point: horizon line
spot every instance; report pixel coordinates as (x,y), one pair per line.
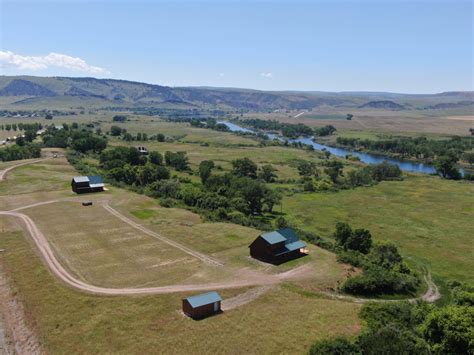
(242,88)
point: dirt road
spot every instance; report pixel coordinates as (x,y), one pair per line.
(59,271)
(431,295)
(248,279)
(5,171)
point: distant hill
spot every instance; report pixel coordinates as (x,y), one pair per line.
(383,104)
(20,87)
(450,105)
(31,90)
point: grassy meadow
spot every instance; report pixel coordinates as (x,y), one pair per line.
(430,219)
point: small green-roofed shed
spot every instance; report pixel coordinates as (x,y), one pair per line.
(202,305)
(203,299)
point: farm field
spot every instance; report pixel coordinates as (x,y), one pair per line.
(99,249)
(430,219)
(138,324)
(380,121)
(427,217)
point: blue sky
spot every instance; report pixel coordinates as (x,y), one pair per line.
(385,45)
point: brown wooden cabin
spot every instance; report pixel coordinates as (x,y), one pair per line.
(202,306)
(278,246)
(84,184)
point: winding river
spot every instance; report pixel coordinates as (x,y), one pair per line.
(341,152)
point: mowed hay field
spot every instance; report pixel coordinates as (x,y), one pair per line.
(225,242)
(73,322)
(103,250)
(95,245)
(429,218)
(48,176)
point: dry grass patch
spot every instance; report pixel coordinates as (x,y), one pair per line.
(102,250)
(280,321)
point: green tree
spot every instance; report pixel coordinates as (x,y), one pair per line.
(244,167)
(162,173)
(119,118)
(270,199)
(307,168)
(281,222)
(336,346)
(360,240)
(450,330)
(349,116)
(445,165)
(391,339)
(386,254)
(146,174)
(48,116)
(343,233)
(267,173)
(20,141)
(205,169)
(115,131)
(155,158)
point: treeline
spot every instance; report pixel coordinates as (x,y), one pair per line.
(80,139)
(384,271)
(406,328)
(21,126)
(117,131)
(332,177)
(210,123)
(239,196)
(408,147)
(289,130)
(17,152)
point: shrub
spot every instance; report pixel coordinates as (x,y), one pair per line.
(336,346)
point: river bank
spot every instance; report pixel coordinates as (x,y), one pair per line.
(367,158)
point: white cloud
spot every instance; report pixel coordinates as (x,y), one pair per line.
(266,75)
(51,60)
(221,75)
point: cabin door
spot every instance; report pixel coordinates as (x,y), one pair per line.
(216,306)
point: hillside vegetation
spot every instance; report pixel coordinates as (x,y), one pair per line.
(27,90)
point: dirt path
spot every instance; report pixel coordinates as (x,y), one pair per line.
(245,297)
(181,247)
(5,171)
(247,279)
(431,295)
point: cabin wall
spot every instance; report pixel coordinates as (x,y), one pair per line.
(200,312)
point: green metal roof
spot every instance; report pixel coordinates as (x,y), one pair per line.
(273,237)
(203,299)
(287,235)
(81,179)
(95,179)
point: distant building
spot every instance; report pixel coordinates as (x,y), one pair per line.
(84,184)
(142,150)
(278,246)
(201,306)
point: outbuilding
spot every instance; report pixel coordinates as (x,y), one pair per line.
(142,150)
(201,306)
(278,246)
(83,184)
